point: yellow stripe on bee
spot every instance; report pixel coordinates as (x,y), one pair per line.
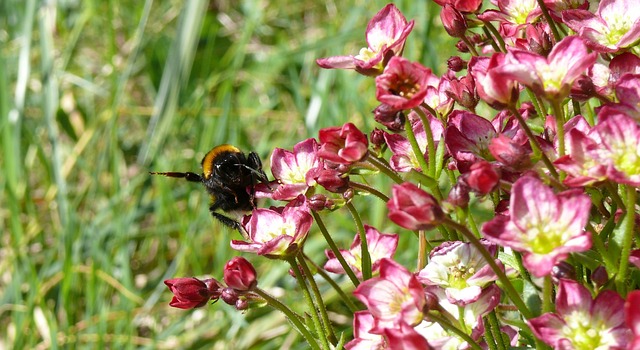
(207,161)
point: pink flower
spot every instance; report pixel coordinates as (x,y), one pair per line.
(239,274)
(628,93)
(552,76)
(493,87)
(363,339)
(467,138)
(459,268)
(342,145)
(463,91)
(413,208)
(619,137)
(614,26)
(277,232)
(513,154)
(512,14)
(291,169)
(386,34)
(190,292)
(394,297)
(610,150)
(632,318)
(380,245)
(582,323)
(403,84)
(437,96)
(544,226)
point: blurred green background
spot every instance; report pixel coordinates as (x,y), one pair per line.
(94,94)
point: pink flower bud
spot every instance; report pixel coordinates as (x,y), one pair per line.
(377,137)
(459,196)
(456,63)
(342,145)
(600,276)
(190,292)
(332,180)
(230,296)
(414,209)
(239,274)
(483,177)
(453,21)
(390,117)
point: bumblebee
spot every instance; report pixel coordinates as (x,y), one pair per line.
(230,177)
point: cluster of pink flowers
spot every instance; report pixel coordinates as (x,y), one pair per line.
(537,119)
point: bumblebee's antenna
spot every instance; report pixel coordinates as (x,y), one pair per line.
(189,176)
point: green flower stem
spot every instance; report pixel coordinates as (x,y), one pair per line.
(506,283)
(627,239)
(537,104)
(558,112)
(496,48)
(334,249)
(472,48)
(494,326)
(319,300)
(431,146)
(369,189)
(291,316)
(547,295)
(547,17)
(345,298)
(496,36)
(598,245)
(488,336)
(471,222)
(384,168)
(534,142)
(366,258)
(422,250)
(613,192)
(416,148)
(444,323)
(523,271)
(317,324)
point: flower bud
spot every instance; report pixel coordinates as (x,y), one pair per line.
(242,304)
(342,145)
(414,209)
(390,117)
(453,21)
(230,296)
(482,177)
(190,292)
(599,276)
(459,195)
(456,63)
(562,270)
(377,137)
(331,179)
(239,274)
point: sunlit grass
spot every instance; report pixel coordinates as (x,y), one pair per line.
(95,94)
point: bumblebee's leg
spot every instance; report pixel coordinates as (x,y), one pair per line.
(229,222)
(255,165)
(189,176)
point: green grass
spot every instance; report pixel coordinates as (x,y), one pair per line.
(94,94)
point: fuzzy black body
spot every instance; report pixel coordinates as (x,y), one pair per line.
(229,177)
